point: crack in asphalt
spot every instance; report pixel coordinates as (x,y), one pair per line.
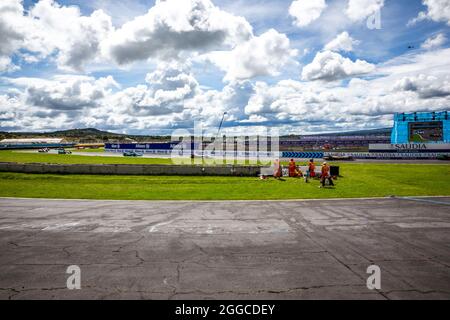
(294,226)
(183,252)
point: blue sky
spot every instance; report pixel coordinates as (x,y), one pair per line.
(144,67)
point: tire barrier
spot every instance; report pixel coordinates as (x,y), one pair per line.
(302,155)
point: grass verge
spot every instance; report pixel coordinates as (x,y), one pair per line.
(358,180)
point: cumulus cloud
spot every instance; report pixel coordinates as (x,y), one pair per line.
(59,102)
(425,86)
(331,66)
(49,28)
(76,38)
(306,11)
(168,30)
(417,82)
(8,107)
(172,27)
(6,64)
(264,55)
(65,93)
(434,42)
(171,98)
(176,33)
(358,10)
(437,10)
(12,33)
(309,107)
(342,42)
(169,86)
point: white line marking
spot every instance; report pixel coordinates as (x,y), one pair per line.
(424,200)
(154,228)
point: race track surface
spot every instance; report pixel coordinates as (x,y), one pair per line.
(225,249)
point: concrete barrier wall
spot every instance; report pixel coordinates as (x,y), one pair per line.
(128,169)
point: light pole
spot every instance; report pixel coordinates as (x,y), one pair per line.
(221,122)
(218,131)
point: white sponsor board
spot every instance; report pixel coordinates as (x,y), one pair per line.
(410,147)
(388,155)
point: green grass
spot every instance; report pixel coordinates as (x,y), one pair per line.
(28,157)
(86,150)
(34,157)
(358,180)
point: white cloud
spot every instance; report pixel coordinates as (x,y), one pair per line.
(358,10)
(172,27)
(417,82)
(48,28)
(168,30)
(77,38)
(412,82)
(65,93)
(306,11)
(342,42)
(170,85)
(425,86)
(331,66)
(6,64)
(265,55)
(172,98)
(434,42)
(435,62)
(12,33)
(437,10)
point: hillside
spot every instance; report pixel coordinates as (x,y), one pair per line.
(95,135)
(83,135)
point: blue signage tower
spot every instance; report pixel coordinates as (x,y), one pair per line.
(421,127)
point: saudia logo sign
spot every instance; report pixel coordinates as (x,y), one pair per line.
(412,146)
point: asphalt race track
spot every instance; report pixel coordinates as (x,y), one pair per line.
(225,249)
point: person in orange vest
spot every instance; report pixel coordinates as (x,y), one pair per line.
(311,168)
(325,175)
(292,169)
(277,169)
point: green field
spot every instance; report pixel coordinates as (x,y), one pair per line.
(87,150)
(28,157)
(358,180)
(34,157)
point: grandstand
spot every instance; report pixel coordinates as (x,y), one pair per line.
(332,141)
(34,143)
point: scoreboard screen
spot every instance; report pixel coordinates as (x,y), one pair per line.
(431,131)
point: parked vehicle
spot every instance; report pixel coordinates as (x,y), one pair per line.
(132,154)
(44,150)
(64,151)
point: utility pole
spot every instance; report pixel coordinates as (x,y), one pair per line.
(220,125)
(218,131)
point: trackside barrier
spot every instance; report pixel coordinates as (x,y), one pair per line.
(302,155)
(388,155)
(126,169)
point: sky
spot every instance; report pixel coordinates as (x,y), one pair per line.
(151,67)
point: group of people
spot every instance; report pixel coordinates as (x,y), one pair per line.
(294,171)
